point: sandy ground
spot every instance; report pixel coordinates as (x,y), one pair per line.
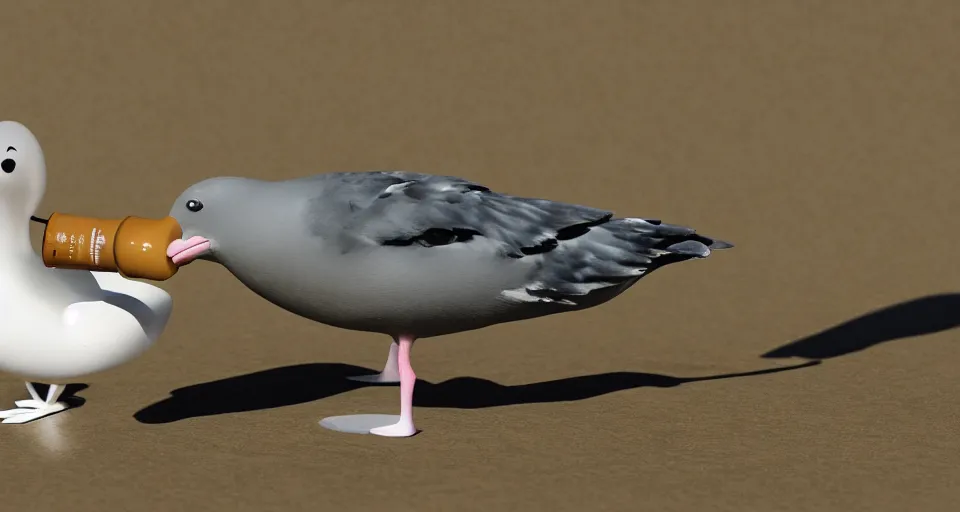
(820,137)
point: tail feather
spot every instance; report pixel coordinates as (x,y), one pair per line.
(679,240)
(719,244)
(690,248)
(610,255)
(696,245)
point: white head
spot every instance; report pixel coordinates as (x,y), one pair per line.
(24,177)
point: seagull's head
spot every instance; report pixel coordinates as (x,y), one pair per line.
(208,212)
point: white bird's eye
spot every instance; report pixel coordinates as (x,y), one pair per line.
(8,165)
(194,206)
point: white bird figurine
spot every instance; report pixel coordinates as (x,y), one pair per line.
(58,325)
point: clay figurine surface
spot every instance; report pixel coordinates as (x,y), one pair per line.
(58,325)
(415,256)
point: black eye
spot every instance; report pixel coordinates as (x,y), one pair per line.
(193,205)
(8,165)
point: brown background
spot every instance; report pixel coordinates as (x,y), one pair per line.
(821,137)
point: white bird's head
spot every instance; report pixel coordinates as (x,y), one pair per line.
(24,177)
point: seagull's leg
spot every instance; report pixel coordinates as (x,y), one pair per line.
(30,411)
(391,370)
(404,427)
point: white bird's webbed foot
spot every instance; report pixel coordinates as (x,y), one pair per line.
(30,404)
(35,408)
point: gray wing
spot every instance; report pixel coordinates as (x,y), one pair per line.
(576,249)
(401,208)
(614,254)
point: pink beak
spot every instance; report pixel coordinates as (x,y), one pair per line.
(182,252)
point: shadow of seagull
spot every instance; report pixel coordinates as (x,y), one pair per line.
(926,315)
(298,384)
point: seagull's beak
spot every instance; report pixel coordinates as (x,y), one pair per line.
(182,252)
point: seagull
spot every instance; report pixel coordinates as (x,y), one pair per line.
(415,256)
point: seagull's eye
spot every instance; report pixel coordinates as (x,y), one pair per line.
(8,165)
(193,205)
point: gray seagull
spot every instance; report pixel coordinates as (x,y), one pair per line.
(415,256)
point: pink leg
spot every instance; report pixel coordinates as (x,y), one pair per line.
(404,427)
(391,367)
(390,373)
